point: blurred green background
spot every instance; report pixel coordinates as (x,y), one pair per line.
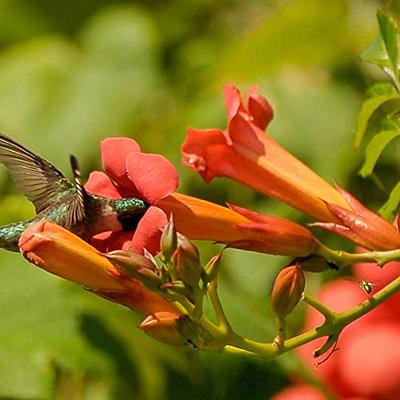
(74,72)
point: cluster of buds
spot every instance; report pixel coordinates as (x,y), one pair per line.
(178,276)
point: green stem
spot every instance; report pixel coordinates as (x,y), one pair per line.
(344,318)
(222,320)
(326,312)
(231,342)
(343,259)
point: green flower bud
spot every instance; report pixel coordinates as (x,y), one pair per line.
(187,262)
(136,266)
(128,261)
(169,240)
(211,268)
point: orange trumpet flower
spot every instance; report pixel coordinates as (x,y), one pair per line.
(245,153)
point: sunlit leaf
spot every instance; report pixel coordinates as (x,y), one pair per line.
(376,53)
(367,110)
(380,89)
(389,34)
(375,149)
(388,210)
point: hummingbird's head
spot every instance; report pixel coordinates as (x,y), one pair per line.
(129,212)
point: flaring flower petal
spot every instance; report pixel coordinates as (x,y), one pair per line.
(114,151)
(204,150)
(153,176)
(259,108)
(245,153)
(233,100)
(99,183)
(148,232)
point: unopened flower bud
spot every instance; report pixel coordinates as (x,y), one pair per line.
(136,266)
(211,268)
(187,262)
(169,240)
(288,289)
(163,326)
(129,262)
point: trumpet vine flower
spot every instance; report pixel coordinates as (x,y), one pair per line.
(131,173)
(245,153)
(62,253)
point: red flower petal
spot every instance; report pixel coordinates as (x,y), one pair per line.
(299,391)
(148,232)
(370,361)
(153,176)
(244,136)
(259,108)
(203,149)
(114,151)
(233,100)
(99,183)
(109,241)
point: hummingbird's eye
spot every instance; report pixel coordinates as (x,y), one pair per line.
(129,222)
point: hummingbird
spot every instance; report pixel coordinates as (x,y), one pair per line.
(61,201)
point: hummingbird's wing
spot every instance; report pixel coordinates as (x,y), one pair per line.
(40,181)
(78,206)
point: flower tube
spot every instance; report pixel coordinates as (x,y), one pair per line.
(245,153)
(62,253)
(130,173)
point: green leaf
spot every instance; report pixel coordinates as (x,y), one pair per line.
(367,110)
(380,89)
(375,149)
(388,30)
(376,53)
(388,210)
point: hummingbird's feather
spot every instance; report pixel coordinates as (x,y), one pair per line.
(39,180)
(77,208)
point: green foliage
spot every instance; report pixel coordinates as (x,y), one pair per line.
(375,148)
(389,34)
(368,108)
(389,209)
(383,52)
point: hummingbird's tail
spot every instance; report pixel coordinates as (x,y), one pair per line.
(10,234)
